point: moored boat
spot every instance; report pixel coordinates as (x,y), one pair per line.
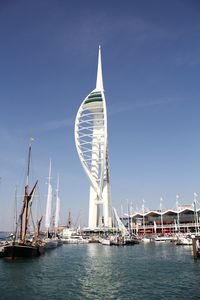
(162,238)
(131,240)
(23,250)
(51,243)
(146,239)
(105,241)
(117,241)
(75,239)
(24,247)
(59,242)
(185,240)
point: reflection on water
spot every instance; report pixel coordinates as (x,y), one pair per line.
(94,271)
(100,269)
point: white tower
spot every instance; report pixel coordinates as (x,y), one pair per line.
(92,147)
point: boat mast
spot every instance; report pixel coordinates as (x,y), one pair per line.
(178,216)
(196,213)
(161,214)
(128,214)
(49,202)
(57,213)
(24,214)
(143,219)
(15,216)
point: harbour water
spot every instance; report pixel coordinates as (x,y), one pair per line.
(92,271)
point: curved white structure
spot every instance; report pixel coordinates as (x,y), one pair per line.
(92,146)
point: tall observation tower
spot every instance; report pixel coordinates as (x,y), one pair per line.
(92,145)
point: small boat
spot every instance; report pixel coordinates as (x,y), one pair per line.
(185,240)
(117,241)
(146,239)
(105,241)
(131,240)
(51,243)
(75,239)
(162,238)
(72,236)
(113,240)
(59,242)
(25,247)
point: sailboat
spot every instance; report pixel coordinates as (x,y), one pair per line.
(24,247)
(50,241)
(57,215)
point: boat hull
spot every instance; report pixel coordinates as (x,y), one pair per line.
(51,243)
(75,241)
(12,252)
(1,252)
(131,242)
(105,241)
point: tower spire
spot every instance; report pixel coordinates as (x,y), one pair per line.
(99,82)
(91,122)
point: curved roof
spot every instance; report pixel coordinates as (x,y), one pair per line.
(166,212)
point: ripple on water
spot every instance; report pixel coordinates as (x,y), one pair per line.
(94,271)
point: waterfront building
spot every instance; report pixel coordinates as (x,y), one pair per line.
(92,146)
(144,222)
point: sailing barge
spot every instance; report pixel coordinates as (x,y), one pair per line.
(24,247)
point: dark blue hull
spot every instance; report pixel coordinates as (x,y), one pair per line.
(17,251)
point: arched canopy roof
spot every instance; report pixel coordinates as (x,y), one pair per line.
(155,213)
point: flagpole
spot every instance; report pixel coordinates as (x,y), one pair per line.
(178,216)
(195,213)
(161,216)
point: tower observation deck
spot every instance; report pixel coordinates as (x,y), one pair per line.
(92,146)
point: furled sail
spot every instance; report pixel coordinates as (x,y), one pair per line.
(57,213)
(24,217)
(49,201)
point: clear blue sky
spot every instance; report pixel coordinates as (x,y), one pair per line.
(151,70)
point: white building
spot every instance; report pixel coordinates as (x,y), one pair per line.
(92,146)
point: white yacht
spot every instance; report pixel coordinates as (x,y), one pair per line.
(162,238)
(70,236)
(105,241)
(184,240)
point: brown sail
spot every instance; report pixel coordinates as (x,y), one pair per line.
(25,248)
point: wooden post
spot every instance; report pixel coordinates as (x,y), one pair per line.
(195,246)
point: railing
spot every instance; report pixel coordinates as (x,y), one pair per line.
(170,227)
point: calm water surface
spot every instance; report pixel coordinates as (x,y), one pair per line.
(93,271)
